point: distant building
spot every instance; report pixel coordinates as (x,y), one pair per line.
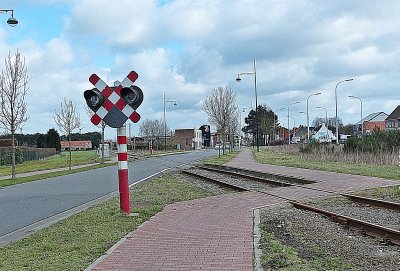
(188,139)
(370,122)
(301,132)
(76,145)
(392,122)
(323,134)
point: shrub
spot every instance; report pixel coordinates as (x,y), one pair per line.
(6,158)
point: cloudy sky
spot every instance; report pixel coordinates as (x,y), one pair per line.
(187,48)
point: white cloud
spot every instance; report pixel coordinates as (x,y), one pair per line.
(187,48)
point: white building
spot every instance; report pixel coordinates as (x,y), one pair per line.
(324,134)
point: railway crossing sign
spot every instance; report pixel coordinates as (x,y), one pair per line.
(114,105)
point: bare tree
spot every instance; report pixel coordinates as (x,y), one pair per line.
(152,129)
(68,120)
(102,125)
(233,127)
(13,89)
(221,109)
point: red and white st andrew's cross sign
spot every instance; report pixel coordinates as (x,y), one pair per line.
(115,110)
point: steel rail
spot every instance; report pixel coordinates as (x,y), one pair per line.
(366,227)
(364,200)
(215,181)
(247,176)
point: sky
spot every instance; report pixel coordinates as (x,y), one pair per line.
(186,49)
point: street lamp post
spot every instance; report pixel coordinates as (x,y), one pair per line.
(294,125)
(11,21)
(282,108)
(238,79)
(336,115)
(240,125)
(308,118)
(165,120)
(361,109)
(288,119)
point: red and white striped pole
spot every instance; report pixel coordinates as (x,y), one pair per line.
(123,170)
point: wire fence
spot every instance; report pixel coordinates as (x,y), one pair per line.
(25,154)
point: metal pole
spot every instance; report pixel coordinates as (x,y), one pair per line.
(336,109)
(288,122)
(288,116)
(165,126)
(362,123)
(308,118)
(255,91)
(123,170)
(361,111)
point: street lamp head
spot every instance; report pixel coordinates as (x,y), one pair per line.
(238,79)
(350,79)
(175,104)
(12,21)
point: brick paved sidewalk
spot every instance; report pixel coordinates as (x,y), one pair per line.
(216,233)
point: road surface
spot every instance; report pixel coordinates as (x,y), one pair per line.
(27,207)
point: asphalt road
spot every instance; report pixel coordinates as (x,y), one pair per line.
(25,204)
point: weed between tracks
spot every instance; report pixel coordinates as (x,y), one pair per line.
(74,243)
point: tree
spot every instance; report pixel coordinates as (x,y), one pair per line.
(13,89)
(152,129)
(221,108)
(266,118)
(53,139)
(68,120)
(103,125)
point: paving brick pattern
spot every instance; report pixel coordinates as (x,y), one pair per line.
(216,233)
(338,182)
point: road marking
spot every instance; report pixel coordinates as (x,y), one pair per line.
(148,177)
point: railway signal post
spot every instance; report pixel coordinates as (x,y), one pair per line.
(114,106)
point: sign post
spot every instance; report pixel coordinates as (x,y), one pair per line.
(114,106)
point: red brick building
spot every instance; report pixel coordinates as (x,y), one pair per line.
(371,122)
(188,139)
(76,145)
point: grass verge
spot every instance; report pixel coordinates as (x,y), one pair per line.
(268,156)
(74,243)
(8,182)
(57,161)
(222,159)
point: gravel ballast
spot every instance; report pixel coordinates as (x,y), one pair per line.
(321,244)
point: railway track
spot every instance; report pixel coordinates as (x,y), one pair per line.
(387,234)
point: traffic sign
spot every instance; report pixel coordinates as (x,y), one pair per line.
(114,105)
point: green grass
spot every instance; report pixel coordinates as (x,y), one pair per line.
(281,257)
(291,160)
(8,182)
(57,161)
(74,243)
(215,160)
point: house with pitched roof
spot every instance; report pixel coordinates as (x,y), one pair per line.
(392,122)
(371,122)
